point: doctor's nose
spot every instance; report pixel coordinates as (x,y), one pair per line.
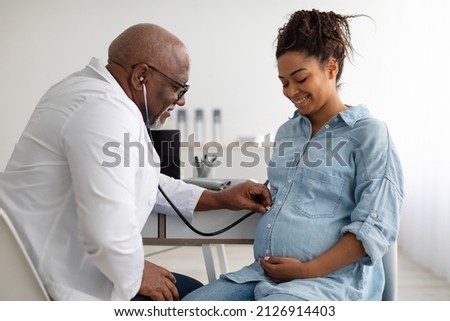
(181,101)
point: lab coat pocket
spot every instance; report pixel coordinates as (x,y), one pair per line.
(319,194)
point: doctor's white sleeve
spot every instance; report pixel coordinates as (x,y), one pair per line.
(184,196)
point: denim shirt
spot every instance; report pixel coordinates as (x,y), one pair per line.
(345,178)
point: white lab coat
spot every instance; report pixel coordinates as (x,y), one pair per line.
(80,185)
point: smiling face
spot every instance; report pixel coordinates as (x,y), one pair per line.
(152,67)
(310,86)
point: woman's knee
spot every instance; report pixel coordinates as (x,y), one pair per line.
(223,290)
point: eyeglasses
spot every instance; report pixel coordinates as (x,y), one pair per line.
(183,87)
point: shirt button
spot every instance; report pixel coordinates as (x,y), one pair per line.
(279,202)
(373,215)
(327,126)
(267,251)
(290,181)
(269,225)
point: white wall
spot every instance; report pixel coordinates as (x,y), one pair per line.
(231,46)
(401,73)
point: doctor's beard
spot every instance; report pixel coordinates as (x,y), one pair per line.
(159,122)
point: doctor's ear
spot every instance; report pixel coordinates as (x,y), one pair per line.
(138,76)
(138,82)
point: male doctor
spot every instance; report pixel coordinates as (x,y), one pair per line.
(81,218)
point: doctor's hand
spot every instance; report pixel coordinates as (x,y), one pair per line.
(158,283)
(244,196)
(248,195)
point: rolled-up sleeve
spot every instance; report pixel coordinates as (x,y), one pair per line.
(378,195)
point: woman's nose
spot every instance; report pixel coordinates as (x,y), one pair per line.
(291,91)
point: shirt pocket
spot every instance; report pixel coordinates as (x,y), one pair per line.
(318,194)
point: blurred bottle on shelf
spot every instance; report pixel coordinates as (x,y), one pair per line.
(199,126)
(182,125)
(217,128)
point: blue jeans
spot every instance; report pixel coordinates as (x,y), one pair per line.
(185,284)
(227,290)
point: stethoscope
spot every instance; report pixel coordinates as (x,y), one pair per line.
(175,208)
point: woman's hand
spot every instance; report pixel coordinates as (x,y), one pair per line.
(347,251)
(284,269)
